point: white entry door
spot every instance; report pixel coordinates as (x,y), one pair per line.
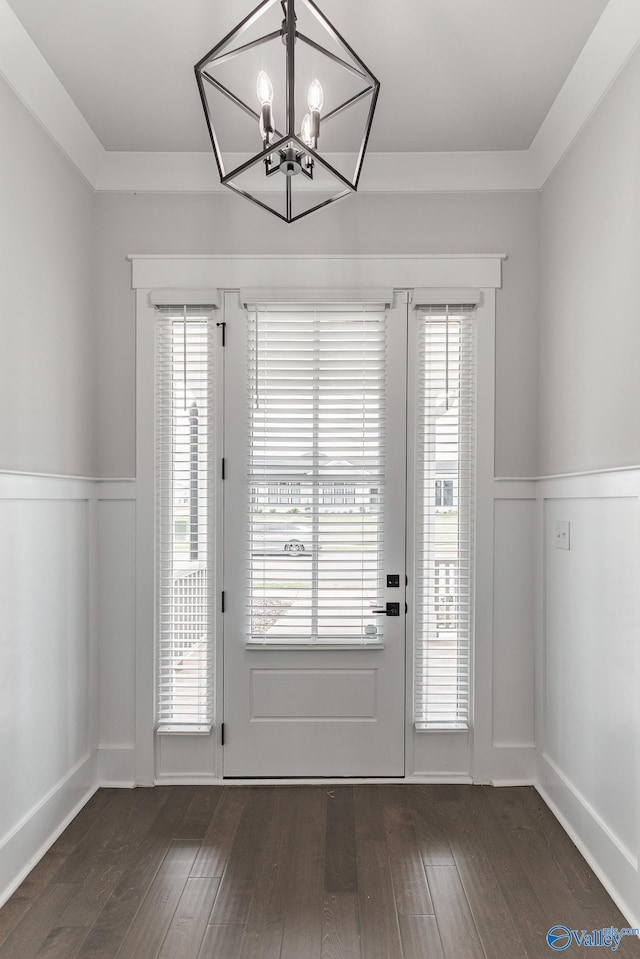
(314,539)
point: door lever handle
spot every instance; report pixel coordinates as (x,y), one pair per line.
(391,609)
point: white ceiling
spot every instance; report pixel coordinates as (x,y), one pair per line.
(456,75)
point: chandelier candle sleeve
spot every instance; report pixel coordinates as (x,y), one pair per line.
(315,100)
(305,130)
(264,89)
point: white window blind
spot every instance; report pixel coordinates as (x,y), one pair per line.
(184,503)
(316,474)
(444,528)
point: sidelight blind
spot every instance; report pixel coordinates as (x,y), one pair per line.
(445,503)
(316,473)
(184,504)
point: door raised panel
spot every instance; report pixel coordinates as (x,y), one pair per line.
(316,694)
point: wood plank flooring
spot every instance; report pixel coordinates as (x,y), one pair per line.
(307,872)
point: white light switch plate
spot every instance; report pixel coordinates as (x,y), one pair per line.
(562,534)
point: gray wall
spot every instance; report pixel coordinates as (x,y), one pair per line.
(588,649)
(444,223)
(47,683)
(589,309)
(46,324)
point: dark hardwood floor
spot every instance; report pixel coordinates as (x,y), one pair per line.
(304,872)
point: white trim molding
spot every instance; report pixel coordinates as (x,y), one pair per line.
(152,271)
(613,41)
(39,828)
(117,765)
(421,172)
(443,778)
(34,82)
(502,753)
(592,842)
(28,839)
(588,667)
(38,807)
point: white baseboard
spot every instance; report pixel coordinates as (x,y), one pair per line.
(36,832)
(508,765)
(416,779)
(117,766)
(438,778)
(604,856)
(512,782)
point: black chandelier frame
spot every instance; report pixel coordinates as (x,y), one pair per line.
(288,145)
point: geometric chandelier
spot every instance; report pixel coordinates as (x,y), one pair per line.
(289,109)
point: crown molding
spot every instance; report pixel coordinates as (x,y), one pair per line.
(382,172)
(34,82)
(613,41)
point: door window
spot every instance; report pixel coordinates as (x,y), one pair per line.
(316,474)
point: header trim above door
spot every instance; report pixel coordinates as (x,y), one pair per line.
(477,271)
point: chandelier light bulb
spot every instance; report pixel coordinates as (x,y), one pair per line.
(315,97)
(264,89)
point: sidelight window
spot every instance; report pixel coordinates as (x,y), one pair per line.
(184,500)
(444,513)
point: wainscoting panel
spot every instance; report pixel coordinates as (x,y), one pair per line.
(48,731)
(116,631)
(503,749)
(513,623)
(589,669)
(65,537)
